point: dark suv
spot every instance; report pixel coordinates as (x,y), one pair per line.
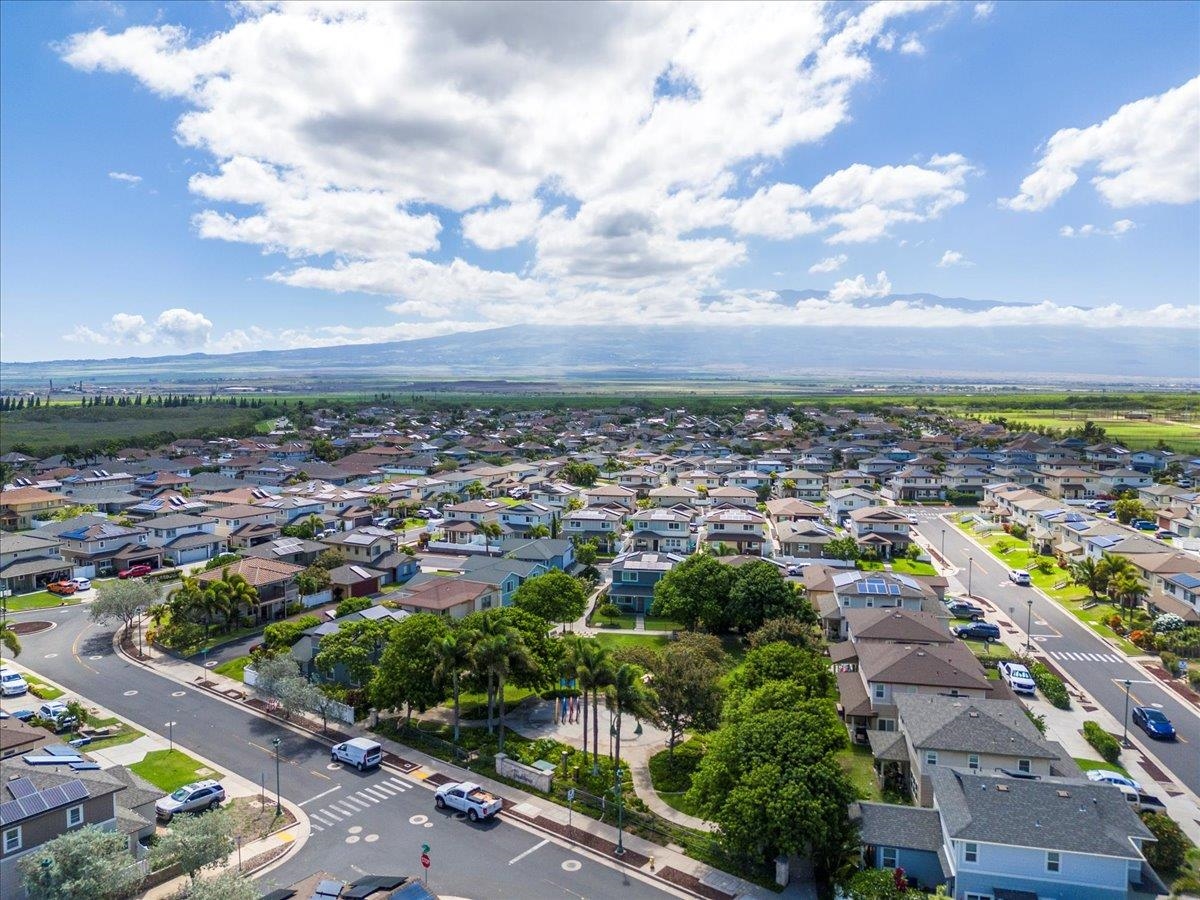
(978,631)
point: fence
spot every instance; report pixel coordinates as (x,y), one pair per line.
(308,601)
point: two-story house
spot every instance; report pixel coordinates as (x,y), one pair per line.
(835,592)
(553,553)
(274,580)
(634,576)
(610,495)
(884,529)
(28,562)
(640,480)
(840,502)
(732,495)
(362,545)
(105,548)
(477,511)
(661,529)
(20,507)
(450,597)
(742,529)
(522,518)
(601,524)
(914,483)
(801,483)
(674,494)
(803,539)
(232,518)
(305,650)
(185,539)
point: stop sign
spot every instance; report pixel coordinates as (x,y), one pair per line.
(425,860)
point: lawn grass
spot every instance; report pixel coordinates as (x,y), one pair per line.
(671,777)
(858,762)
(169,770)
(233,668)
(1085,764)
(124,735)
(899,566)
(38,600)
(40,689)
(628,621)
(616,641)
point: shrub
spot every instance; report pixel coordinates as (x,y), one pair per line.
(1169,852)
(1170,662)
(1050,685)
(1102,742)
(1193,677)
(218,562)
(352,605)
(284,634)
(1114,620)
(1138,636)
(1185,643)
(1168,622)
(1045,566)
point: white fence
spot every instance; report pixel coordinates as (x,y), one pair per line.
(335,711)
(311,600)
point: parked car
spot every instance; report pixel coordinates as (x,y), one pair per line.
(1164,533)
(468,797)
(82,584)
(63,588)
(12,683)
(978,631)
(137,571)
(964,609)
(1107,776)
(1017,677)
(1143,525)
(362,753)
(195,797)
(913,520)
(1153,722)
(387,522)
(1019,577)
(56,713)
(1140,801)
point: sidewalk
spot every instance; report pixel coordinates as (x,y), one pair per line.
(666,865)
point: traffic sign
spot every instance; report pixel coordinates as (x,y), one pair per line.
(425,860)
(570,795)
(424,848)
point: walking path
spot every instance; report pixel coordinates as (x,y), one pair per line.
(666,864)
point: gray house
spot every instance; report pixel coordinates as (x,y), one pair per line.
(634,576)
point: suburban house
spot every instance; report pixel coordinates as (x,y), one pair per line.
(640,480)
(352,580)
(1179,594)
(503,573)
(989,835)
(287,549)
(848,478)
(184,538)
(305,650)
(476,511)
(634,576)
(884,529)
(553,553)
(661,529)
(803,539)
(20,507)
(274,580)
(842,501)
(601,524)
(363,545)
(835,592)
(453,597)
(913,483)
(742,529)
(232,518)
(106,548)
(699,478)
(749,479)
(29,562)
(610,495)
(524,517)
(792,510)
(801,483)
(672,494)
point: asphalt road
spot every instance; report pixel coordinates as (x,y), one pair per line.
(362,823)
(1074,649)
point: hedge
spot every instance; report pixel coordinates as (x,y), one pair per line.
(1104,743)
(1050,685)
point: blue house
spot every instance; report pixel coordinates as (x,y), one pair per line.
(991,836)
(553,553)
(634,576)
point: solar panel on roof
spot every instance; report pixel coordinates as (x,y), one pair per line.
(21,787)
(32,805)
(60,750)
(83,766)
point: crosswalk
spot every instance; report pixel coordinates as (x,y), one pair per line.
(1087,657)
(340,811)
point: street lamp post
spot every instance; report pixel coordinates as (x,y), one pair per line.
(278,804)
(170,735)
(970,573)
(1125,719)
(1028,625)
(943,543)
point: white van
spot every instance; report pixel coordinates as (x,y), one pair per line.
(361,753)
(11,683)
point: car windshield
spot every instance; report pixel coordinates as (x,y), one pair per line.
(180,795)
(1155,716)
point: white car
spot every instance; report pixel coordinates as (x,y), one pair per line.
(1017,677)
(82,584)
(1107,776)
(1019,576)
(912,518)
(11,683)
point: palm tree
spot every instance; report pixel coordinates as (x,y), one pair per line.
(453,657)
(157,613)
(185,600)
(378,502)
(242,594)
(1088,573)
(539,531)
(1127,589)
(8,637)
(628,693)
(475,490)
(1113,567)
(500,652)
(594,670)
(490,530)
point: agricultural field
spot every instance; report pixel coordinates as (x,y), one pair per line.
(1180,434)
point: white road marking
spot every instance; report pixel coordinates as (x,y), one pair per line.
(345,809)
(331,814)
(367,796)
(312,827)
(397,784)
(375,792)
(319,796)
(390,791)
(521,856)
(354,803)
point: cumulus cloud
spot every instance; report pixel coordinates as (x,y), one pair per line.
(125,177)
(953,258)
(858,288)
(1118,228)
(178,326)
(502,226)
(1143,153)
(828,264)
(912,46)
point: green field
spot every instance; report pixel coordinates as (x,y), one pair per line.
(1181,435)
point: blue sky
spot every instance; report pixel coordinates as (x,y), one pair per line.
(195,177)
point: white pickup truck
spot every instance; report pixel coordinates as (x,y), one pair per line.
(468,797)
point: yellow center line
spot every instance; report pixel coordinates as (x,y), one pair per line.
(78,658)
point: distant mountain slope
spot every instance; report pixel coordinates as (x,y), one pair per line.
(859,353)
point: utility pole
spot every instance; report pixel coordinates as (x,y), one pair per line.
(278,803)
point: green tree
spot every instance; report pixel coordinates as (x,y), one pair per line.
(9,638)
(1129,508)
(594,671)
(499,651)
(490,531)
(759,592)
(453,652)
(228,885)
(628,695)
(88,862)
(312,580)
(580,474)
(554,596)
(842,548)
(695,592)
(795,630)
(1126,589)
(355,648)
(1089,573)
(783,662)
(351,605)
(1168,853)
(689,696)
(877,884)
(475,490)
(123,600)
(404,677)
(197,842)
(585,553)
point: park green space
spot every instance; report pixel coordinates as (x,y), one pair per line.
(38,600)
(169,770)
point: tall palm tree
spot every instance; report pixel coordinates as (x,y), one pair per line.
(490,530)
(630,694)
(1114,567)
(475,490)
(1127,589)
(594,669)
(313,525)
(8,638)
(1088,573)
(242,595)
(539,531)
(453,654)
(500,654)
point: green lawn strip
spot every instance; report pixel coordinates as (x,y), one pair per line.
(474,706)
(899,566)
(169,770)
(125,735)
(38,600)
(41,689)
(1086,764)
(858,762)
(672,777)
(233,668)
(616,641)
(628,621)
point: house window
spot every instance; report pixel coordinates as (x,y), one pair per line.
(887,724)
(879,692)
(629,576)
(931,757)
(1024,765)
(970,853)
(973,761)
(889,857)
(1053,861)
(12,839)
(75,816)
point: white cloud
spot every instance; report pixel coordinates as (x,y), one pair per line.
(126,177)
(178,326)
(828,264)
(502,226)
(984,10)
(775,212)
(912,46)
(183,327)
(953,258)
(1118,228)
(858,288)
(1143,153)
